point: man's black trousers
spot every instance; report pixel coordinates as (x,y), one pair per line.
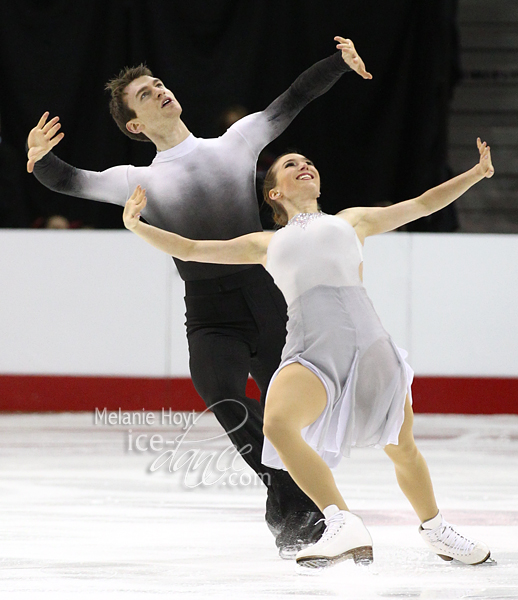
(236,325)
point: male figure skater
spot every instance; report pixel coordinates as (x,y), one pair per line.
(236,316)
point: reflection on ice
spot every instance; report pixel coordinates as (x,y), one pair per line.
(83,517)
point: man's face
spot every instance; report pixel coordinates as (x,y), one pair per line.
(153,103)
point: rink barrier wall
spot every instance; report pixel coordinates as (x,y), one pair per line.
(98,316)
(454,395)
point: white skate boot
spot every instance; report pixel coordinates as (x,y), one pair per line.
(345,537)
(442,539)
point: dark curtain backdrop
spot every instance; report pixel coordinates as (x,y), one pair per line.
(374,142)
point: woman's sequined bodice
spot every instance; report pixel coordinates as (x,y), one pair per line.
(314,249)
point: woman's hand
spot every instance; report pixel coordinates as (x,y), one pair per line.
(42,139)
(485,166)
(351,57)
(133,208)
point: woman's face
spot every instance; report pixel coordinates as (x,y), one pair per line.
(296,177)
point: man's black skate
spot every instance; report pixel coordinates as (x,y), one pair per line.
(299,530)
(274,525)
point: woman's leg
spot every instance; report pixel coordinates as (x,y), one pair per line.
(296,399)
(411,469)
(414,480)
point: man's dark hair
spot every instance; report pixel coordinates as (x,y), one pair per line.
(119,109)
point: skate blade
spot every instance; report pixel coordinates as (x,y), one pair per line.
(362,556)
(488,561)
(444,557)
(289,552)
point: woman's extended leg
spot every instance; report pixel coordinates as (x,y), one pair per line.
(411,469)
(414,480)
(296,399)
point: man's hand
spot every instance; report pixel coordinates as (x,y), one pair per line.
(134,206)
(42,139)
(351,57)
(485,166)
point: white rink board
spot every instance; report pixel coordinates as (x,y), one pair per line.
(86,302)
(466,305)
(106,303)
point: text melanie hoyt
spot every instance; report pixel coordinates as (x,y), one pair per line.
(166,417)
(216,466)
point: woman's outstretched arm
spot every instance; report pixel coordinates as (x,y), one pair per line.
(374,220)
(250,248)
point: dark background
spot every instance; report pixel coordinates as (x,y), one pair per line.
(374,142)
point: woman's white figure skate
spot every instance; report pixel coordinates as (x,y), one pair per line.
(447,543)
(345,537)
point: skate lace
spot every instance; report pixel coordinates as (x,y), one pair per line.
(333,526)
(453,540)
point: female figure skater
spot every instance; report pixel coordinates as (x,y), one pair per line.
(341,382)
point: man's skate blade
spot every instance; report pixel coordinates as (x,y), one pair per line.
(289,552)
(361,556)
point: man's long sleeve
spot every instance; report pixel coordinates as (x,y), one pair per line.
(105,186)
(259,129)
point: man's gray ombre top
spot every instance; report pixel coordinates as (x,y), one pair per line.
(201,188)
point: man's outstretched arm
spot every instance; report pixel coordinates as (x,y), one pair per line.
(105,186)
(259,129)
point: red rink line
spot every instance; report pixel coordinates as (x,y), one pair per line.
(35,393)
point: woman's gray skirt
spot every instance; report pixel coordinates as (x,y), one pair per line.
(336,333)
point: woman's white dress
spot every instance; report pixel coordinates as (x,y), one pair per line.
(334,331)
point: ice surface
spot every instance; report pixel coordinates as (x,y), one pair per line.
(83,516)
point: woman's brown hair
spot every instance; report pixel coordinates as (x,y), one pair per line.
(280,216)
